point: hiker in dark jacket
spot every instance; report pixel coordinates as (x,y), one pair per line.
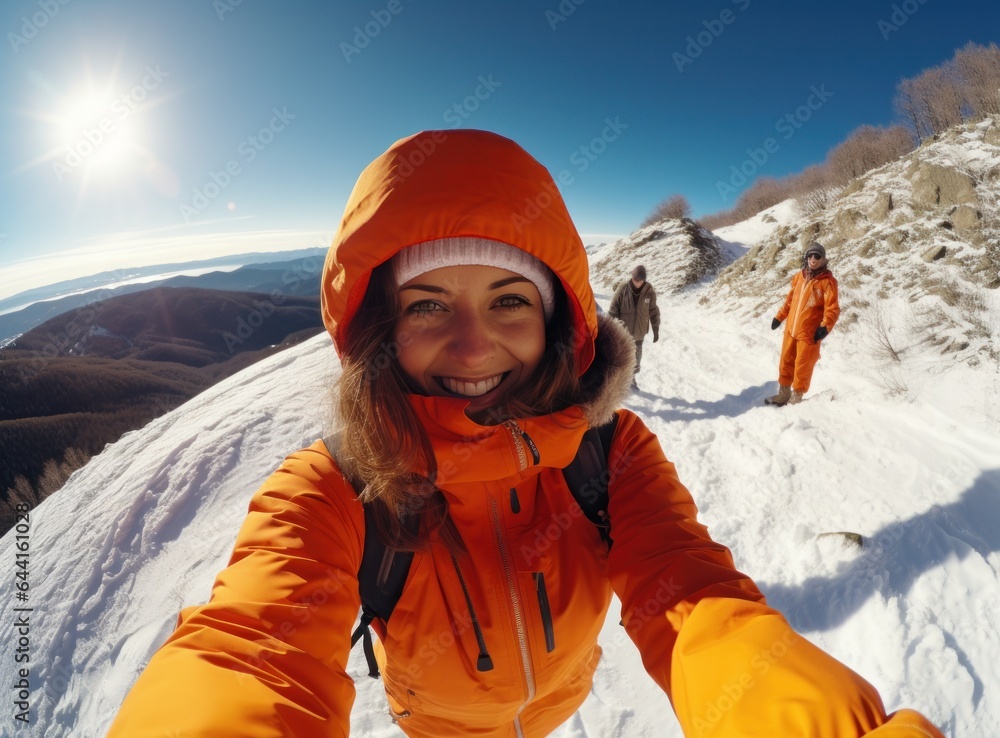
(634,304)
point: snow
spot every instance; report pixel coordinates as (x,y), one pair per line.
(141,531)
(753,230)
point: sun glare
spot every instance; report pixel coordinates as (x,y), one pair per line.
(97,135)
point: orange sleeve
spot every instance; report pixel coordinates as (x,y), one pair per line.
(831,305)
(740,670)
(662,560)
(786,307)
(907,724)
(731,665)
(266,656)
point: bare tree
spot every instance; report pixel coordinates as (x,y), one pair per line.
(907,105)
(813,177)
(866,148)
(946,97)
(675,206)
(814,188)
(12,500)
(978,68)
(718,220)
(765,192)
(941,92)
(932,101)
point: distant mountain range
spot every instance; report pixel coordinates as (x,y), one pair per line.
(78,381)
(297,274)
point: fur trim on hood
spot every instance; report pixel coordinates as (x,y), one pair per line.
(609,379)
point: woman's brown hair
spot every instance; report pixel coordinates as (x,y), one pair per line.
(384,442)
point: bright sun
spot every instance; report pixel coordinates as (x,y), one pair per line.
(97,135)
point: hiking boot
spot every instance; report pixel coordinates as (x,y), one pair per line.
(795,398)
(784,394)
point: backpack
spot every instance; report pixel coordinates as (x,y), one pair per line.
(383,571)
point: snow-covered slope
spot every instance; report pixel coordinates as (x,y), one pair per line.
(141,531)
(739,237)
(687,252)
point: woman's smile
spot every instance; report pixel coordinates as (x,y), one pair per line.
(469,388)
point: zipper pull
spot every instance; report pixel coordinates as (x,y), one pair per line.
(531,445)
(515,504)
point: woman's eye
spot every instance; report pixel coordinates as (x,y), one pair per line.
(423,307)
(512,302)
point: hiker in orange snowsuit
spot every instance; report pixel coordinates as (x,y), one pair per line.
(812,307)
(472,355)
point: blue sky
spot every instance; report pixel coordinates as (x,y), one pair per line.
(206,125)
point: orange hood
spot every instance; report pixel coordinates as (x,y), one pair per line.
(443,184)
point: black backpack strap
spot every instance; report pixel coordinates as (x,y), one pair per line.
(587,476)
(383,571)
(364,631)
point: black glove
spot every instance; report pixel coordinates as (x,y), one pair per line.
(775,323)
(820,334)
(656,336)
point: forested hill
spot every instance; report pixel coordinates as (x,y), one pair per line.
(80,380)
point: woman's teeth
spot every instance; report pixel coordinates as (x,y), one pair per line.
(470,389)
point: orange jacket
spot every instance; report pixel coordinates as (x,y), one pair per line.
(267,655)
(810,303)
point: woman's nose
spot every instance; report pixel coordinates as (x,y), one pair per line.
(471,342)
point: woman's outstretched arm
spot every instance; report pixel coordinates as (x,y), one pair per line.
(267,655)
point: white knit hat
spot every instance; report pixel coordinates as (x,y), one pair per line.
(464,250)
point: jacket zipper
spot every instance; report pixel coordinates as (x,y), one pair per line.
(522,637)
(522,457)
(522,439)
(798,308)
(546,611)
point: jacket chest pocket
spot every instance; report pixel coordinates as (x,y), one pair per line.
(544,610)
